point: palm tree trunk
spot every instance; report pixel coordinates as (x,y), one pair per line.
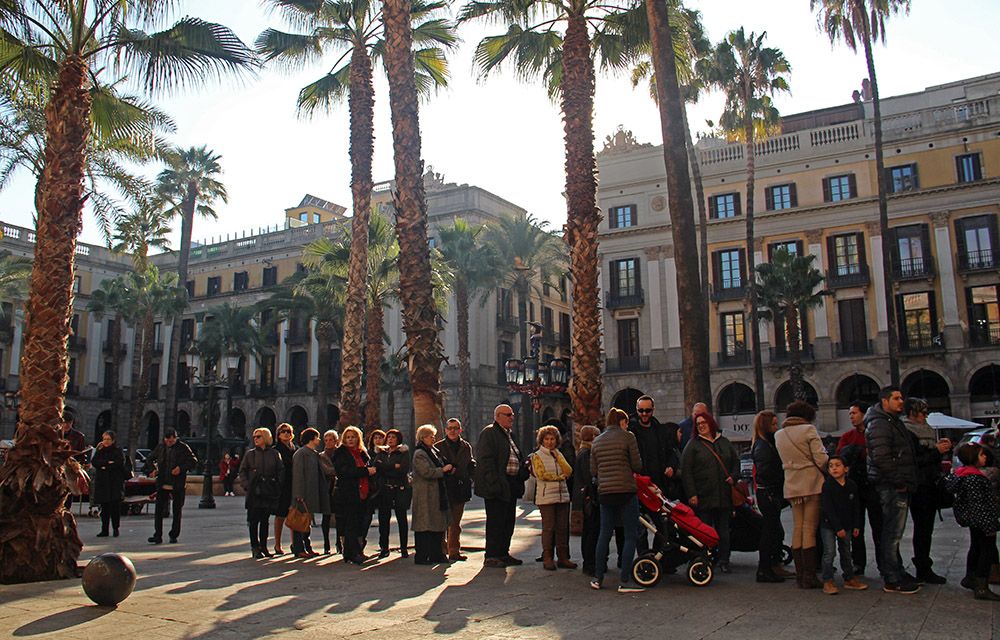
(755,355)
(423,346)
(140,382)
(582,220)
(325,336)
(792,338)
(464,370)
(690,295)
(892,329)
(114,340)
(183,258)
(374,352)
(362,106)
(699,194)
(33,479)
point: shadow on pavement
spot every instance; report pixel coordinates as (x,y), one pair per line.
(62,620)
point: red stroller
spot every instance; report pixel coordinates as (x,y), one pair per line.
(680,537)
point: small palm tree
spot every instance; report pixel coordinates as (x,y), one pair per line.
(140,231)
(787,287)
(864,20)
(749,73)
(110,299)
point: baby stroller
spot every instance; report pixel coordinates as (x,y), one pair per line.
(680,537)
(744,530)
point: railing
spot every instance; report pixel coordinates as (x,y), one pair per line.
(158,349)
(739,358)
(297,386)
(622,365)
(507,323)
(836,134)
(854,348)
(933,344)
(728,293)
(624,301)
(984,336)
(6,333)
(258,390)
(77,343)
(785,355)
(976,260)
(780,144)
(908,268)
(237,389)
(108,348)
(858,278)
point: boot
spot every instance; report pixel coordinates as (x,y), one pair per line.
(547,562)
(995,574)
(256,554)
(797,560)
(766,575)
(968,582)
(830,588)
(982,591)
(564,562)
(926,575)
(809,580)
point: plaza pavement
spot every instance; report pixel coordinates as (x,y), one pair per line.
(208,587)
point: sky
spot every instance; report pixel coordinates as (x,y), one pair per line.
(504,134)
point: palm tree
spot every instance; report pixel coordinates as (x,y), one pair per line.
(749,73)
(188,185)
(139,232)
(595,32)
(667,61)
(786,287)
(68,44)
(110,298)
(15,272)
(352,29)
(393,375)
(476,266)
(864,20)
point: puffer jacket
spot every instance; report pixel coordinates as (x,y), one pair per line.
(976,505)
(767,465)
(892,459)
(551,472)
(614,457)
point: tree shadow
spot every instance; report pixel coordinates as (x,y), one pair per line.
(63,620)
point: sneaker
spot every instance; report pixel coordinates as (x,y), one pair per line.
(912,579)
(595,584)
(630,588)
(154,540)
(829,588)
(855,584)
(900,587)
(511,561)
(929,577)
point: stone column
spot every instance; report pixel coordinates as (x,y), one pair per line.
(670,279)
(654,303)
(820,321)
(313,350)
(282,351)
(94,351)
(946,267)
(15,347)
(167,333)
(878,279)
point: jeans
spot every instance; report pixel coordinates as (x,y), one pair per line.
(868,501)
(628,515)
(831,543)
(718,519)
(894,508)
(982,553)
(772,534)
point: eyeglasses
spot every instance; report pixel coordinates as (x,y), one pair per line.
(507,415)
(453,428)
(644,410)
(257,437)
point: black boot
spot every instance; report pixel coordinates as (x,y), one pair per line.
(767,575)
(926,575)
(982,590)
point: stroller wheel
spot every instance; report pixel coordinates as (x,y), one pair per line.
(700,571)
(786,554)
(646,571)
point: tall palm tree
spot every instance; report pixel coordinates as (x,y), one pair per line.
(393,376)
(749,73)
(68,44)
(476,265)
(189,184)
(352,29)
(595,32)
(787,287)
(110,299)
(140,231)
(864,21)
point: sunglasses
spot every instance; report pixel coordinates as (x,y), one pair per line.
(257,437)
(644,410)
(508,415)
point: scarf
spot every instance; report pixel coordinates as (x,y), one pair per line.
(968,470)
(436,461)
(363,481)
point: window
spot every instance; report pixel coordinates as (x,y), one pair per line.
(315,218)
(781,196)
(912,250)
(903,178)
(837,188)
(976,237)
(71,386)
(621,217)
(984,315)
(564,329)
(918,320)
(432,242)
(270,276)
(726,205)
(548,321)
(303,217)
(628,339)
(729,269)
(266,374)
(847,254)
(625,277)
(154,383)
(853,327)
(733,339)
(158,334)
(214,285)
(109,383)
(563,288)
(546,289)
(241,281)
(187,332)
(189,285)
(794,247)
(297,371)
(969,167)
(76,284)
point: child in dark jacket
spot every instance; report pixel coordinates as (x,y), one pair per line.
(839,525)
(976,507)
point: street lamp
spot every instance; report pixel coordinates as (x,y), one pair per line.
(211,379)
(11,402)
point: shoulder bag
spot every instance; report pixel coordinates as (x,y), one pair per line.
(299,520)
(739,498)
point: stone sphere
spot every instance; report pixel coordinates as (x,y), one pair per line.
(109,579)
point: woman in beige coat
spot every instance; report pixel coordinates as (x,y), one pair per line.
(804,460)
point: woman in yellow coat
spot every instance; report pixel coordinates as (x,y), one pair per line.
(552,497)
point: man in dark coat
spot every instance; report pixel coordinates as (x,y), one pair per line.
(658,450)
(169,463)
(77,442)
(892,469)
(456,451)
(500,475)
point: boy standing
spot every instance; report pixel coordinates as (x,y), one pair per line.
(839,503)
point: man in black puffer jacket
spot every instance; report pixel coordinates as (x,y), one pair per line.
(892,469)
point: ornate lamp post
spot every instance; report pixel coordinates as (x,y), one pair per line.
(530,379)
(209,378)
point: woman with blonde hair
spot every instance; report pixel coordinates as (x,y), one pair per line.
(552,496)
(769,480)
(285,446)
(261,475)
(350,497)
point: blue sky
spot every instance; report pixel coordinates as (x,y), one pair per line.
(505,135)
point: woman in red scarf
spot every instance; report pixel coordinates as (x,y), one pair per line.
(354,486)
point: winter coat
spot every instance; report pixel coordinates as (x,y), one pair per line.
(802,457)
(308,481)
(839,506)
(702,474)
(326,458)
(492,453)
(393,481)
(347,495)
(769,473)
(166,459)
(261,476)
(854,449)
(658,450)
(109,475)
(285,453)
(927,455)
(892,458)
(976,504)
(551,472)
(585,487)
(614,457)
(430,502)
(459,455)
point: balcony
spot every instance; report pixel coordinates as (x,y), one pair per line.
(624,365)
(739,358)
(6,333)
(912,268)
(76,343)
(616,300)
(977,260)
(922,345)
(262,390)
(854,348)
(237,389)
(297,386)
(982,335)
(507,323)
(851,276)
(296,336)
(108,348)
(784,355)
(720,293)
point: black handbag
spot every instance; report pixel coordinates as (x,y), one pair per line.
(266,488)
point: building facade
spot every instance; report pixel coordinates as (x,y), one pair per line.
(816,194)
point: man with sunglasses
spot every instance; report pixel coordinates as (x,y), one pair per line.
(658,450)
(500,475)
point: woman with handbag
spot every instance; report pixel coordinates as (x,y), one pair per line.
(350,498)
(285,446)
(109,482)
(430,499)
(261,475)
(709,466)
(803,459)
(310,492)
(393,464)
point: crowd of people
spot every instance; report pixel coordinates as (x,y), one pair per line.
(884,470)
